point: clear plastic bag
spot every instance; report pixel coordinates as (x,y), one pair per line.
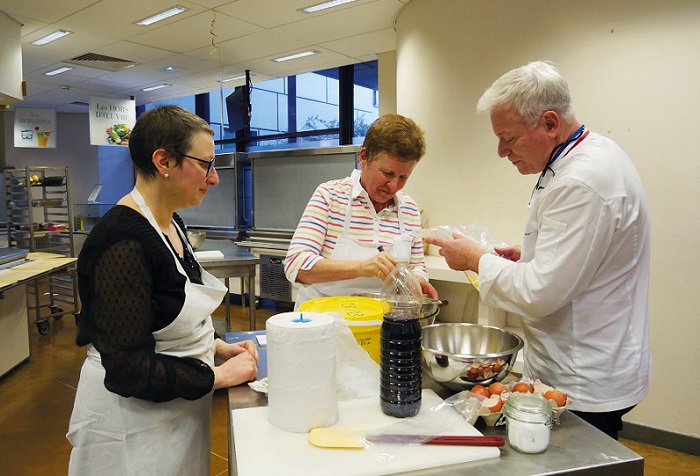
(430,422)
(479,234)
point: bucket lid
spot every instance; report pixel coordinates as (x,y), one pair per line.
(353,308)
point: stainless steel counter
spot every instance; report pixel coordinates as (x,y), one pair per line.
(237,262)
(575,446)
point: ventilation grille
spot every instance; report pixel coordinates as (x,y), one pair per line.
(98,61)
(273,283)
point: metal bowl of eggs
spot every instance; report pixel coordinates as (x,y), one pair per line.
(459,356)
(196,238)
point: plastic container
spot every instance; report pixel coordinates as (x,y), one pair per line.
(528,422)
(400,360)
(363,315)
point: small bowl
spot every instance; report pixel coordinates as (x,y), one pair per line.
(429,308)
(459,356)
(196,238)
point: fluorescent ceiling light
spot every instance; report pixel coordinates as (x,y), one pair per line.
(171,69)
(297,55)
(52,37)
(322,6)
(176,10)
(234,79)
(63,69)
(157,86)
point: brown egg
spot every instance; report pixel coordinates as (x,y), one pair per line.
(497,388)
(493,403)
(480,390)
(473,373)
(522,387)
(557,396)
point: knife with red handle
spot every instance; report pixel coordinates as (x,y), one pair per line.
(439,440)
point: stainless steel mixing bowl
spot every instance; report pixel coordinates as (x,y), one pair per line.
(429,308)
(459,356)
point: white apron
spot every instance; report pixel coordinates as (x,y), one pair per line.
(111,434)
(347,248)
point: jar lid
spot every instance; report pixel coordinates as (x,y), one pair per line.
(528,407)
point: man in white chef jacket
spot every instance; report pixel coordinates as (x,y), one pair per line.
(581,279)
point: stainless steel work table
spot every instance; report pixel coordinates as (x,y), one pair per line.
(236,263)
(575,447)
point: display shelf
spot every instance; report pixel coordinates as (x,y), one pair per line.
(40,219)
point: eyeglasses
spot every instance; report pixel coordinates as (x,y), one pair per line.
(210,163)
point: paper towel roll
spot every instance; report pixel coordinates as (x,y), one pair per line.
(301,371)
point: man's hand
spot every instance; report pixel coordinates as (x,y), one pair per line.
(510,252)
(460,253)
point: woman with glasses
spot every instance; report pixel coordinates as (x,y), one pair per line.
(343,243)
(143,401)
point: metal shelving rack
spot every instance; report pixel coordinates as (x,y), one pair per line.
(40,218)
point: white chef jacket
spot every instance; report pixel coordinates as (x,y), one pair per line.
(582,282)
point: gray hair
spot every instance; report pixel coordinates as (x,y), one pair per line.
(530,90)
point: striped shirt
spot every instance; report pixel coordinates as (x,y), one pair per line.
(323,220)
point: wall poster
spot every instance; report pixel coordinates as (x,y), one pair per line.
(35,128)
(111,121)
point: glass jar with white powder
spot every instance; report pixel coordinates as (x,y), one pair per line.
(528,422)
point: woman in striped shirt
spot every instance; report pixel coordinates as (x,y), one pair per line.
(343,243)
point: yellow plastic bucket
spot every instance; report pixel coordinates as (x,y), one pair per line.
(363,315)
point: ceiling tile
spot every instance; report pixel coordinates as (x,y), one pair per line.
(249,33)
(356,46)
(47,11)
(196,32)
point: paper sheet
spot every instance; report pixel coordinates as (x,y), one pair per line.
(261,448)
(208,255)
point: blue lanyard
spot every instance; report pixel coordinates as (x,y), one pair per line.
(556,152)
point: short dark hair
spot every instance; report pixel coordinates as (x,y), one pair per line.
(167,127)
(397,135)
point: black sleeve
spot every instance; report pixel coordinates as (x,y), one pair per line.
(122,313)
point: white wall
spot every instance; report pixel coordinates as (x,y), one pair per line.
(386,81)
(633,68)
(72,149)
(87,164)
(11,60)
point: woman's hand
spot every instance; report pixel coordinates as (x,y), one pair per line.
(240,363)
(378,266)
(225,351)
(238,369)
(428,289)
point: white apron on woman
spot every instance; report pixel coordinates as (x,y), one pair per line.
(111,434)
(347,248)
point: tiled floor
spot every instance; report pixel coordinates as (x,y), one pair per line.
(37,398)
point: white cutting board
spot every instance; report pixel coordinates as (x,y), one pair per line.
(263,449)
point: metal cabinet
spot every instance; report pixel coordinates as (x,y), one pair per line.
(40,219)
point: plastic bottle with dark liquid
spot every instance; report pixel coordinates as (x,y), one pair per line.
(400,341)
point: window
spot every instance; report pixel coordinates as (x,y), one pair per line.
(301,111)
(186,102)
